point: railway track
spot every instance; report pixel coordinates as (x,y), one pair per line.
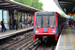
(24,46)
(25,38)
(45,46)
(19,42)
(29,46)
(27,43)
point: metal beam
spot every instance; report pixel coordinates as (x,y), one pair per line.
(5,4)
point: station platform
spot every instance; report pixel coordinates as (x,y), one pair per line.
(66,40)
(9,33)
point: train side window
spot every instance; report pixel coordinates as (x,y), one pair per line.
(59,20)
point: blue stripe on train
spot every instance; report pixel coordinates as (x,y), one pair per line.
(33,30)
(57,30)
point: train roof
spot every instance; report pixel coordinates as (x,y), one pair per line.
(52,11)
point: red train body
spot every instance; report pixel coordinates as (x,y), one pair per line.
(48,25)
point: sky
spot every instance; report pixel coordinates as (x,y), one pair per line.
(49,5)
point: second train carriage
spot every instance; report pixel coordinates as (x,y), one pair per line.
(47,25)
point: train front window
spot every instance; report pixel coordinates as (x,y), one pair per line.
(52,21)
(38,22)
(45,22)
(48,21)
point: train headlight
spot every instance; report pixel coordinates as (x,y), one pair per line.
(53,31)
(36,31)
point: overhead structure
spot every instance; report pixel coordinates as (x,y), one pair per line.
(68,6)
(11,5)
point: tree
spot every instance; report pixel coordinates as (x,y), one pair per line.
(62,14)
(36,4)
(32,3)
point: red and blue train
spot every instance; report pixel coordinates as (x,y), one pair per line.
(48,25)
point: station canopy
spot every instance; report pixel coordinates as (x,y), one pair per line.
(11,5)
(68,6)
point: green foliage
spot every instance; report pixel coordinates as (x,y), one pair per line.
(62,14)
(32,3)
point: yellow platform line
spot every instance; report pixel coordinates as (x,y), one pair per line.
(72,39)
(64,41)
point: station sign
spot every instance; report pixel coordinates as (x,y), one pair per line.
(71,14)
(30,15)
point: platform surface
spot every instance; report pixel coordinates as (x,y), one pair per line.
(66,40)
(12,32)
